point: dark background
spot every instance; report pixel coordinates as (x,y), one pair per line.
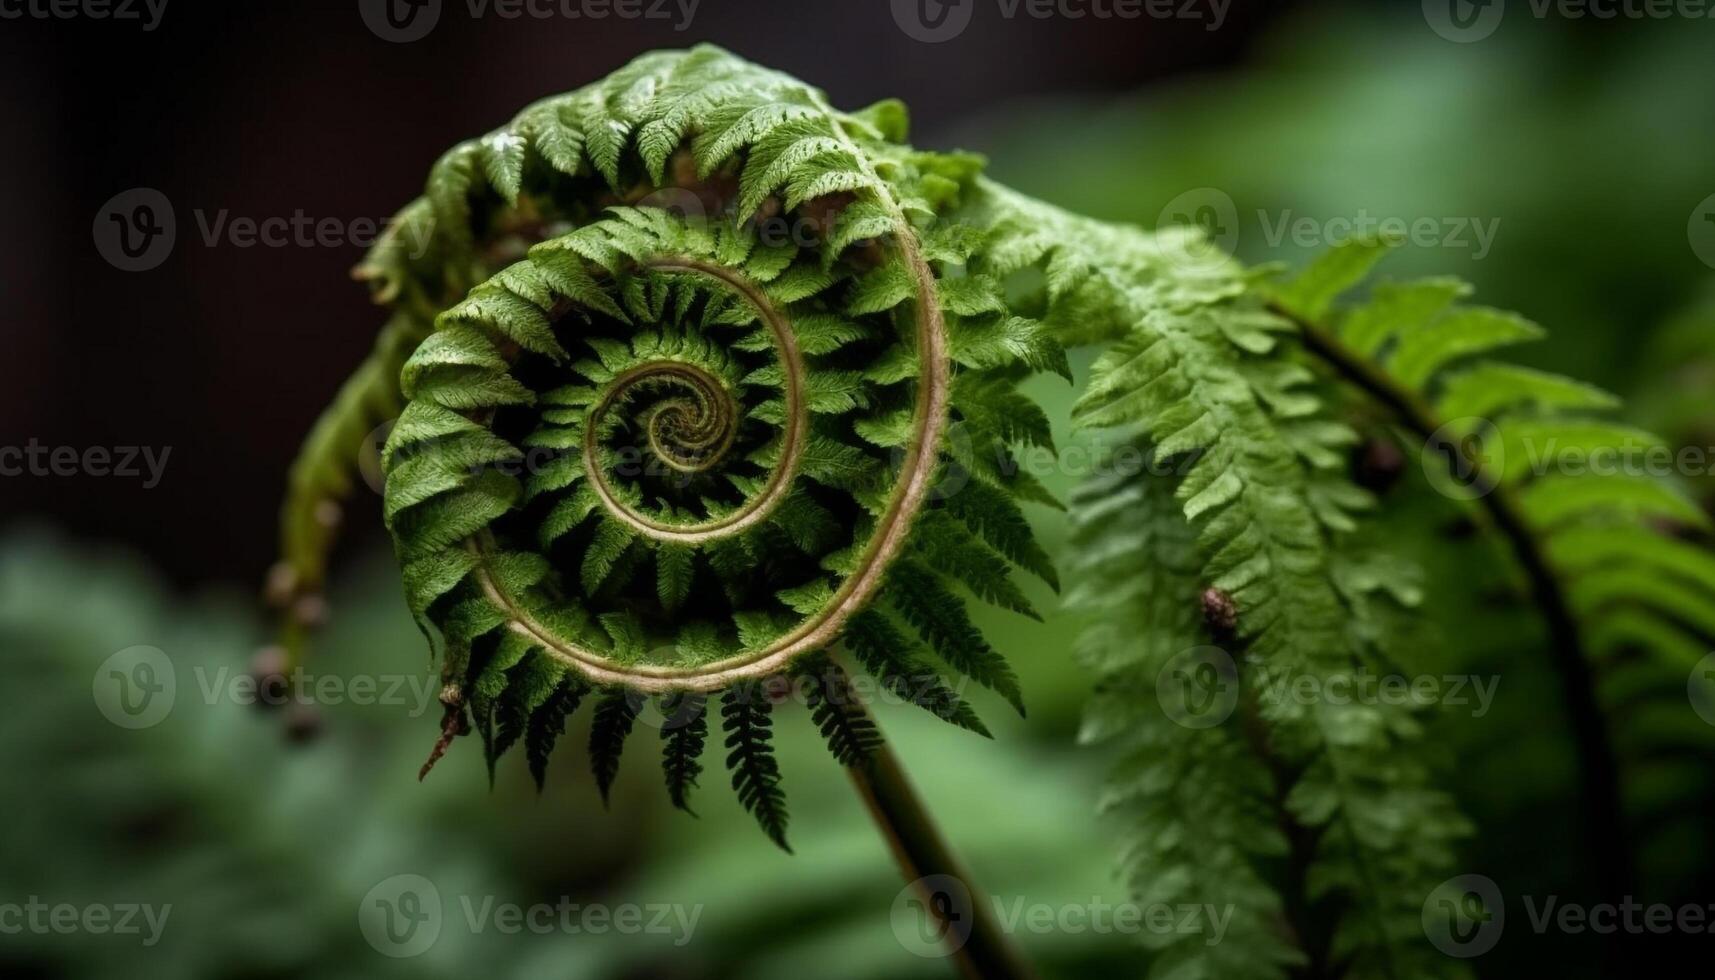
(226,354)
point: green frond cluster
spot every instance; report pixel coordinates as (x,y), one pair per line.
(1202,377)
(1599,506)
(1197,804)
(747,391)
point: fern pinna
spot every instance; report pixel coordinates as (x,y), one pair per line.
(1241,562)
(1612,549)
(1256,544)
(687,427)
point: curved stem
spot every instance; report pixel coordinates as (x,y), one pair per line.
(967,923)
(1609,847)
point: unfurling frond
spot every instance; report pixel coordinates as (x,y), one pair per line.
(691,343)
(1591,509)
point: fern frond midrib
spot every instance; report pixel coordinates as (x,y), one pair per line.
(1567,647)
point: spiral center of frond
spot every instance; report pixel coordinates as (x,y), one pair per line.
(690,433)
(692,440)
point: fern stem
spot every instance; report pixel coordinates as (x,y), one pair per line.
(1605,823)
(986,953)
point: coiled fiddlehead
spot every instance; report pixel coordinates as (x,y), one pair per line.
(739,395)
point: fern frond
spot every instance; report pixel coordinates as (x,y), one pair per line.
(680,442)
(1195,805)
(746,719)
(1199,374)
(685,729)
(614,715)
(845,724)
(1589,539)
